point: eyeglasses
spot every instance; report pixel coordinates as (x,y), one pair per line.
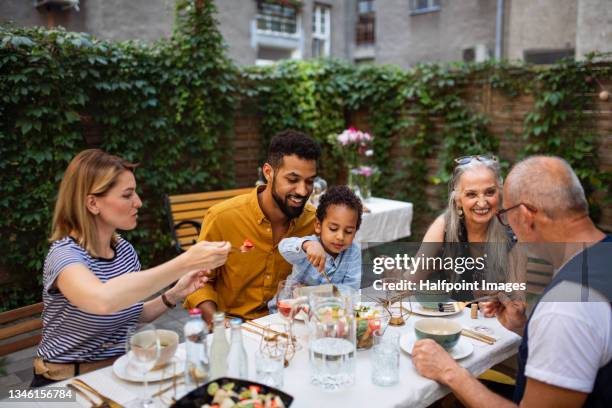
(502,215)
(480,157)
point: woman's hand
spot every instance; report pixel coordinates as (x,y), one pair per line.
(188,284)
(206,255)
(315,254)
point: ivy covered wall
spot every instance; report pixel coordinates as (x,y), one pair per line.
(195,122)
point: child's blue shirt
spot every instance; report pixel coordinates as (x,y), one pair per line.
(345,269)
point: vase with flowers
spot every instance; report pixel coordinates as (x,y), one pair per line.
(355,147)
(361,179)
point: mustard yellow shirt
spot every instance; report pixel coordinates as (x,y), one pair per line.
(244,285)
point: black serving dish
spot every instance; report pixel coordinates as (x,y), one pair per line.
(199,396)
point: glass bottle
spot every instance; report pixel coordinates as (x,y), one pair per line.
(219,348)
(237,362)
(196,361)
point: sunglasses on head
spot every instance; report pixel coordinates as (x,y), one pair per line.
(480,157)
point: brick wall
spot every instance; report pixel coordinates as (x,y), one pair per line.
(506,118)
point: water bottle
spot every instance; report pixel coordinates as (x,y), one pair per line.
(219,348)
(237,363)
(196,361)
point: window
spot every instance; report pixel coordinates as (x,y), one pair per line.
(321,31)
(544,57)
(276,18)
(365,6)
(365,29)
(469,55)
(424,6)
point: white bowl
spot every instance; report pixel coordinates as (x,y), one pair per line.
(168,341)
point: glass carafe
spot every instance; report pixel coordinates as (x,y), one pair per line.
(331,342)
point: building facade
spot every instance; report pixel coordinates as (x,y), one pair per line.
(261,32)
(401,32)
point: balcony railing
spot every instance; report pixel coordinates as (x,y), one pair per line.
(276,19)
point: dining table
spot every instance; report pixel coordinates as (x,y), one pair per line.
(384,220)
(412,390)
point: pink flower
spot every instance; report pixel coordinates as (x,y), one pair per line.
(343,138)
(366,171)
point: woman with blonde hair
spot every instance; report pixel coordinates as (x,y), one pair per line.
(93,288)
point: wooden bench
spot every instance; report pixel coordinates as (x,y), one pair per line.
(539,275)
(20,329)
(186,212)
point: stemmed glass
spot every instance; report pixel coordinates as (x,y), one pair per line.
(288,305)
(143,348)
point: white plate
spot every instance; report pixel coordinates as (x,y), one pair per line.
(125,371)
(462,349)
(420,310)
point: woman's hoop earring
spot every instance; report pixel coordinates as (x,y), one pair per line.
(460,212)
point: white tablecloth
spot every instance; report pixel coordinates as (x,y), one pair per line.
(412,390)
(388,220)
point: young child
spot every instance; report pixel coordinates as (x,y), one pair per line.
(332,249)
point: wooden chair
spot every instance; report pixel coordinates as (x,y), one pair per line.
(539,275)
(21,330)
(186,212)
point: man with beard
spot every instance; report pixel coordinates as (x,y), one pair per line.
(249,279)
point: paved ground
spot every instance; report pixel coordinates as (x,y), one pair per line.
(19,364)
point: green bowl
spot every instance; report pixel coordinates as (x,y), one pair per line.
(443,331)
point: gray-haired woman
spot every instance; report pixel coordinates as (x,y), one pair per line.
(475,195)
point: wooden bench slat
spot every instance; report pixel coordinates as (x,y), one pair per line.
(186,232)
(195,205)
(535,289)
(9,348)
(16,314)
(538,279)
(197,216)
(211,195)
(188,240)
(20,328)
(540,268)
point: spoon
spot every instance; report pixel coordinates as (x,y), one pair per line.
(335,289)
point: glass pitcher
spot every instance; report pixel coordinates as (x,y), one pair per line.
(331,342)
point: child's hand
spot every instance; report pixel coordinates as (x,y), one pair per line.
(315,254)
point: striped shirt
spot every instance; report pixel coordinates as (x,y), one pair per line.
(344,269)
(70,334)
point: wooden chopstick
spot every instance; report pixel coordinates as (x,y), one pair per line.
(252,330)
(262,327)
(478,336)
(484,336)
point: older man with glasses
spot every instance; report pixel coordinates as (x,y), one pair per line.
(566,352)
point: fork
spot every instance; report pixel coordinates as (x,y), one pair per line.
(443,307)
(83,394)
(106,402)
